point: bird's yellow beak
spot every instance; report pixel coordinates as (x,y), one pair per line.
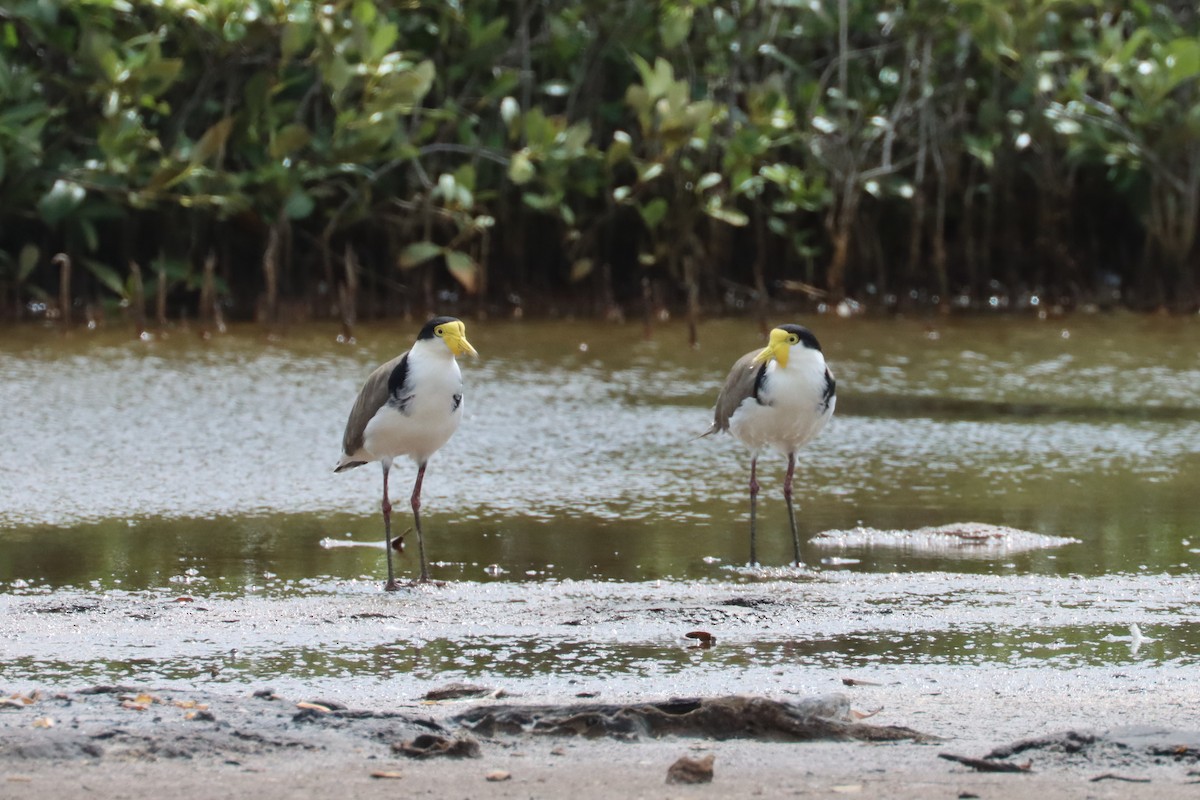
(777,348)
(455,336)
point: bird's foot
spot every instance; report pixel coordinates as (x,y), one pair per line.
(425,580)
(391,586)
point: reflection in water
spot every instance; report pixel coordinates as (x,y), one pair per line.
(209,465)
(507,659)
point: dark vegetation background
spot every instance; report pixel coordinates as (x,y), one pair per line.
(294,160)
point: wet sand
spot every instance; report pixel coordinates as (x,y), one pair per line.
(204,733)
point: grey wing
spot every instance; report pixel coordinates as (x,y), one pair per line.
(742,383)
(371,398)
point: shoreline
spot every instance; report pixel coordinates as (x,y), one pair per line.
(979,662)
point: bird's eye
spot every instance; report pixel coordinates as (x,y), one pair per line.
(793,339)
(439,331)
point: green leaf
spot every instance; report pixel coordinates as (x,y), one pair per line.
(107,276)
(654,212)
(295,37)
(61,201)
(463,268)
(619,150)
(382,40)
(27,260)
(403,90)
(675,25)
(520,168)
(157,76)
(708,181)
(730,216)
(212,140)
(649,172)
(581,269)
(418,253)
(541,202)
(299,205)
(289,139)
(488,33)
(364,12)
(1183,61)
(91,236)
(169,174)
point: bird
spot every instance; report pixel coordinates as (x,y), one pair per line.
(777,398)
(410,406)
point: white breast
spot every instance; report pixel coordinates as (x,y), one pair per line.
(429,418)
(790,410)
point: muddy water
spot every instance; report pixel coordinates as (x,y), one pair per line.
(140,464)
(203,469)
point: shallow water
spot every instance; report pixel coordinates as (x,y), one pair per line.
(142,464)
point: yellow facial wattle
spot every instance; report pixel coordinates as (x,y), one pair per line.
(455,336)
(777,348)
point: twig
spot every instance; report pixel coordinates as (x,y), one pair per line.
(984,765)
(1112,776)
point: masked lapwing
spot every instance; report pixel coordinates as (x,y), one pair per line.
(410,406)
(777,398)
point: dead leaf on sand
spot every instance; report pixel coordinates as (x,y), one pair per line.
(497,775)
(703,638)
(18,700)
(43,722)
(139,702)
(189,704)
(313,707)
(380,773)
(691,770)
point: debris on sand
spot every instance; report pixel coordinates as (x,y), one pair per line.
(960,539)
(461,691)
(1149,740)
(984,765)
(430,744)
(691,770)
(730,717)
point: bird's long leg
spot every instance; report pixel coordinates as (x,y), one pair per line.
(391,584)
(787,494)
(416,509)
(753,507)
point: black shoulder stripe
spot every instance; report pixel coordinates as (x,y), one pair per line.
(396,379)
(758,383)
(398,393)
(830,390)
